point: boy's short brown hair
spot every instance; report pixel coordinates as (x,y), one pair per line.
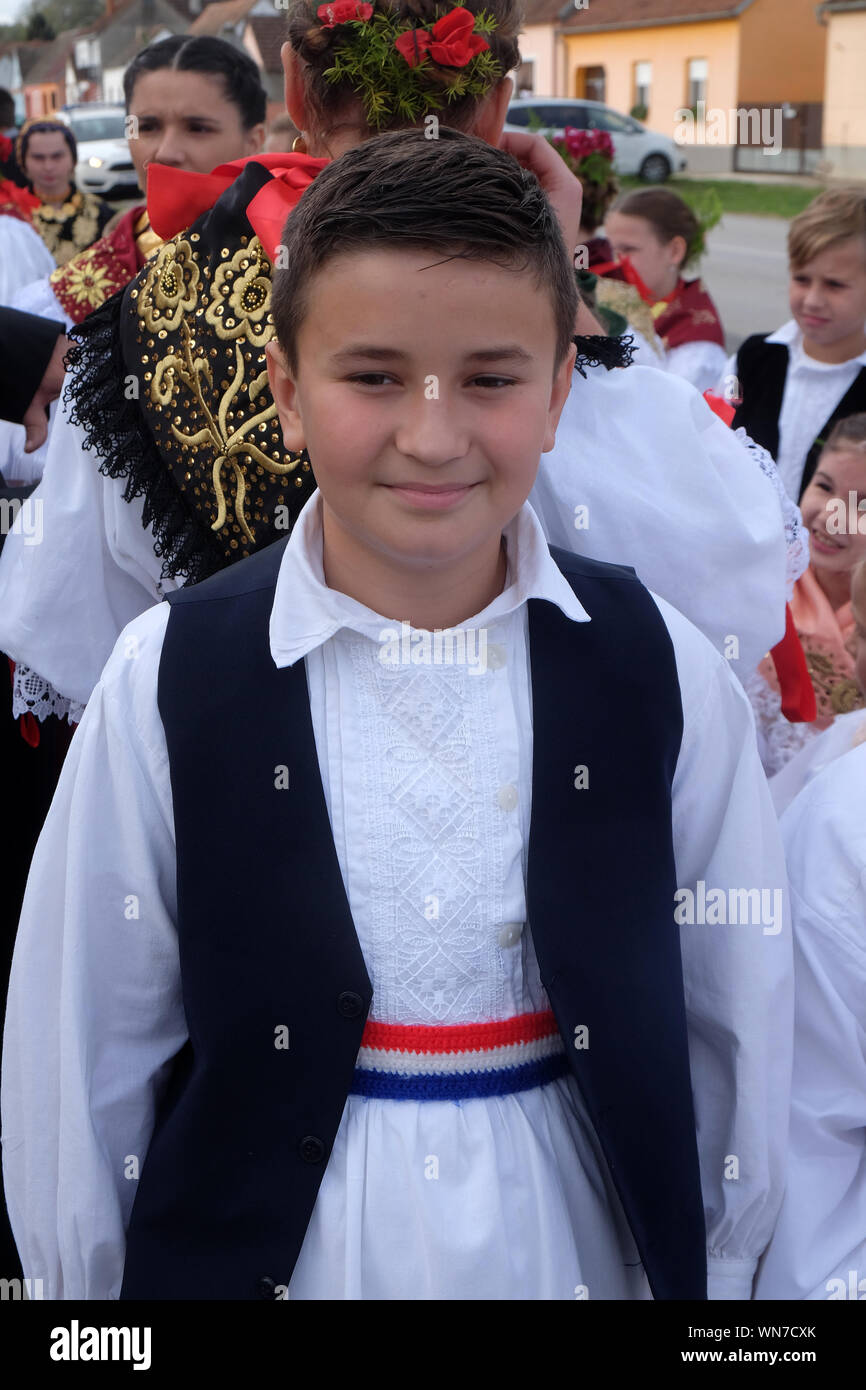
(834,216)
(455,196)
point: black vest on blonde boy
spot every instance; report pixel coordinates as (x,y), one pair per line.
(244,1130)
(762,369)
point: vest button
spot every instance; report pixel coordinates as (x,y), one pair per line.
(312,1149)
(267,1287)
(349,1004)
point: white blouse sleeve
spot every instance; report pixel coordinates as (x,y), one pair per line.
(698,363)
(738,974)
(644,474)
(95,958)
(38,297)
(819,1247)
(65,599)
(24,257)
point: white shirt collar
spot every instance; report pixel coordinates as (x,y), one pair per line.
(306,613)
(791,337)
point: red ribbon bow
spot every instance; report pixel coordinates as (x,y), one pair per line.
(176,198)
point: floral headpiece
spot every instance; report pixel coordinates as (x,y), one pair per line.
(404,70)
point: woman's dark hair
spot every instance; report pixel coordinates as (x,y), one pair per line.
(455,196)
(211,56)
(666,213)
(317,46)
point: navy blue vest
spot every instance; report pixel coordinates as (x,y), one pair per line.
(244,1129)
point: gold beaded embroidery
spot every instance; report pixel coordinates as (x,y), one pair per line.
(208,399)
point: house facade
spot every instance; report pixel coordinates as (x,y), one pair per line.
(845,100)
(697,70)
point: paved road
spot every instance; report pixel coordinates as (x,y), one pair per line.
(746,271)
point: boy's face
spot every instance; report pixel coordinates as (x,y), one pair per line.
(828,294)
(425,394)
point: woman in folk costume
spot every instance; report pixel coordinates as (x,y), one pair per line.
(192,103)
(658,236)
(833,508)
(137,501)
(352,925)
(67,219)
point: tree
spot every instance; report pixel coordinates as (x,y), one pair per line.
(61,15)
(38,27)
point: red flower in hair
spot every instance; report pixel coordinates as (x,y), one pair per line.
(342,12)
(451,43)
(413,46)
(5,148)
(454,44)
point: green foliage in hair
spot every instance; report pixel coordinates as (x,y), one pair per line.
(368,62)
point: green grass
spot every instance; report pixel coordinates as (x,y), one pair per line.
(761,199)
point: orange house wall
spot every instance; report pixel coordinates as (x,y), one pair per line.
(668,48)
(783,51)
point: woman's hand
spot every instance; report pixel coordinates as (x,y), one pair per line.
(559,183)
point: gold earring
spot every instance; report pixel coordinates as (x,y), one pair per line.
(299,145)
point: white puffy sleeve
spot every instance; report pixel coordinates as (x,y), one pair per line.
(65,597)
(23,257)
(732,907)
(818,1249)
(698,363)
(95,959)
(644,474)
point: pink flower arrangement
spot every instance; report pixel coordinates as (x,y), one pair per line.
(579,144)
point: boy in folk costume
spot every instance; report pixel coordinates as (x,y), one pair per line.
(368,967)
(793,386)
(642,473)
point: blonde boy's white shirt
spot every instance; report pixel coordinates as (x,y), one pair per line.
(95,1012)
(812,391)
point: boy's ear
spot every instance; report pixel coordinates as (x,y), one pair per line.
(284,391)
(558,397)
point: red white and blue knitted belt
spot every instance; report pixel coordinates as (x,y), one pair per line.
(458,1061)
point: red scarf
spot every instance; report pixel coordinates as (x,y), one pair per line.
(175,198)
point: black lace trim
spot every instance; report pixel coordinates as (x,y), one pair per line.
(595,350)
(114,427)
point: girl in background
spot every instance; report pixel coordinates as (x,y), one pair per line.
(821,603)
(660,235)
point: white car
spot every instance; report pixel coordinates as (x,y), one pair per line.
(638,151)
(104,164)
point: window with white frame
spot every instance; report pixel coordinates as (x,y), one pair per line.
(643,76)
(697,80)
